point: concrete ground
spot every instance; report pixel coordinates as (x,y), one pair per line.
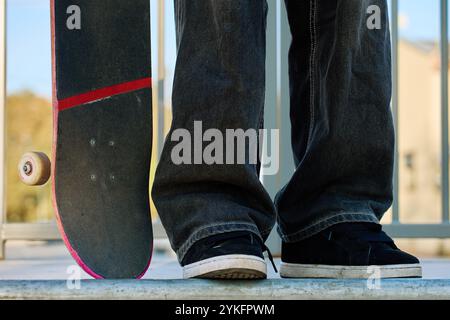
(41,270)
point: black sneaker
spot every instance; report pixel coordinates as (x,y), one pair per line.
(234,255)
(348,250)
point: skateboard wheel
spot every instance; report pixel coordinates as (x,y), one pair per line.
(34,168)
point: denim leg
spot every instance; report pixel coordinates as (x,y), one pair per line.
(342,129)
(219,80)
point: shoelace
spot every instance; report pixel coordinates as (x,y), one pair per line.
(266,249)
(269,253)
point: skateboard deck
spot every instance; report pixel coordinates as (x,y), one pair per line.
(103,133)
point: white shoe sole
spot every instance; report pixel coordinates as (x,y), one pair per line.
(289,270)
(231,267)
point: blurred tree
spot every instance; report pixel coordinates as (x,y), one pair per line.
(28,128)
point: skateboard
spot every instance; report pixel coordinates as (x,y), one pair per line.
(102,114)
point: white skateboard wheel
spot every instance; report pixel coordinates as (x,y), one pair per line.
(34,168)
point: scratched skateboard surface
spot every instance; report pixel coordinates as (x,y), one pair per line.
(102,138)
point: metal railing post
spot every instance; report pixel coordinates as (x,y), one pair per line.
(395,104)
(444,111)
(282,104)
(161,74)
(270,112)
(2,124)
(271,109)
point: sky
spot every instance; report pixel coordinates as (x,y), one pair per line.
(29,49)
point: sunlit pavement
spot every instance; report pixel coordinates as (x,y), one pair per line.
(41,270)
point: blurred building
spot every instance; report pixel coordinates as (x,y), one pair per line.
(419,132)
(419,141)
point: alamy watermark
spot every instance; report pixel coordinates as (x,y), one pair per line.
(74,20)
(227,147)
(374,279)
(73,281)
(374,19)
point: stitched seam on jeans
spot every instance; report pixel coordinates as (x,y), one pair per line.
(212,225)
(203,232)
(305,230)
(312,66)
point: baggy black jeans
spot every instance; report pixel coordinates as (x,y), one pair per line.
(342,129)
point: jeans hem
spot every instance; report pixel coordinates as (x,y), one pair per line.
(325,223)
(216,229)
